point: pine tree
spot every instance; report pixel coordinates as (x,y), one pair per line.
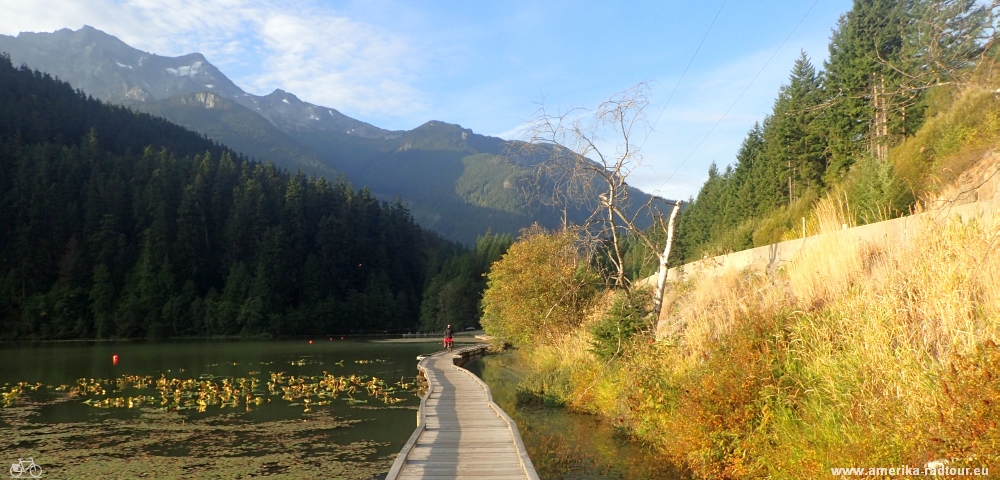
(102,302)
(859,80)
(795,146)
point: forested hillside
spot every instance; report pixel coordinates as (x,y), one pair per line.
(835,133)
(117,224)
(230,123)
(456,182)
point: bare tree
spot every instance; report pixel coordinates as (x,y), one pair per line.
(588,157)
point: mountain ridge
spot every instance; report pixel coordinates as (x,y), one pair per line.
(447,173)
(138,76)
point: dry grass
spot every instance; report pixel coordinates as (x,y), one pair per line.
(965,129)
(979,182)
(871,328)
(856,354)
(860,354)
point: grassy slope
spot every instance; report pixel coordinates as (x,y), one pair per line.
(962,126)
(863,355)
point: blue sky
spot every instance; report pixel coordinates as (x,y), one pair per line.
(487,65)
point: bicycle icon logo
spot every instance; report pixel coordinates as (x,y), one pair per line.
(25,466)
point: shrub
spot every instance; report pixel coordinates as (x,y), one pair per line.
(550,388)
(628,315)
(967,432)
(854,354)
(874,191)
(783,223)
(538,290)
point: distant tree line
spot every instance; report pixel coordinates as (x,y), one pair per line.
(463,276)
(116,224)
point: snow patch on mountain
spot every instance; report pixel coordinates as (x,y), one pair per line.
(185,71)
(124,66)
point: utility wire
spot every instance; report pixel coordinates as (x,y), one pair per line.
(723,117)
(679,80)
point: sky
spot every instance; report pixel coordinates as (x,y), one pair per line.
(489,66)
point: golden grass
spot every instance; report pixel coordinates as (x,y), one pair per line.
(949,142)
(858,354)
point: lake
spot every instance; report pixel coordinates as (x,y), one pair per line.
(245,409)
(208,409)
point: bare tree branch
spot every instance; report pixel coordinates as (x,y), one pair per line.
(588,158)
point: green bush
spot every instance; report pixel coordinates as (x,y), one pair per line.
(628,315)
(545,388)
(875,193)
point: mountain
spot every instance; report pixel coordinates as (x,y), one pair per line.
(231,123)
(456,182)
(109,69)
(119,224)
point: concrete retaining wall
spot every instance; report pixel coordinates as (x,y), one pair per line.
(899,230)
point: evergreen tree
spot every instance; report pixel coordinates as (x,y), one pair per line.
(795,147)
(859,81)
(102,302)
(114,224)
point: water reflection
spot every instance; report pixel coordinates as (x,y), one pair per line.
(566,445)
(226,409)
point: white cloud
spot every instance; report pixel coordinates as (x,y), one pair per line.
(513,133)
(320,56)
(334,61)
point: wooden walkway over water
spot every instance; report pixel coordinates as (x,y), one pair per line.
(460,432)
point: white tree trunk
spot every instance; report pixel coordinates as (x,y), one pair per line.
(661,273)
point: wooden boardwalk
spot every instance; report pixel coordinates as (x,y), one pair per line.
(460,432)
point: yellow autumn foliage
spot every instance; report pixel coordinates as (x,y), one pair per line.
(538,290)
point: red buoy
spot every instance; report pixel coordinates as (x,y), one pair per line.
(310,342)
(114,359)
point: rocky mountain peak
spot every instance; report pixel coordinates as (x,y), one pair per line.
(107,68)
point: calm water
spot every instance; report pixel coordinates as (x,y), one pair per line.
(330,409)
(210,409)
(566,445)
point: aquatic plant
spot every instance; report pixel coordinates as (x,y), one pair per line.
(208,390)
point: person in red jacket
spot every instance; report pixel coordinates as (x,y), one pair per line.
(449,338)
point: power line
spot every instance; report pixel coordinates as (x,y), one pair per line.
(669,98)
(723,117)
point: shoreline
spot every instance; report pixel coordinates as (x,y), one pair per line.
(463,337)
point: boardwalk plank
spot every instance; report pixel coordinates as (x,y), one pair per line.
(463,435)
